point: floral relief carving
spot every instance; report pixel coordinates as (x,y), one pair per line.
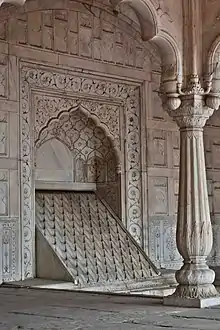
(48,107)
(93,152)
(73,83)
(107,95)
(9,250)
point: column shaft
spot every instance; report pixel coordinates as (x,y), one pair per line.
(194,231)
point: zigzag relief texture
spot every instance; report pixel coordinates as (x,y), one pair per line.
(89,240)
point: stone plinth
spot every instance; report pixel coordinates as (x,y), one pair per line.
(194,302)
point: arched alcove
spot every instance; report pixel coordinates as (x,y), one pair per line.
(72,148)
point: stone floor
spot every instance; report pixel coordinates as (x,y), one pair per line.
(36,309)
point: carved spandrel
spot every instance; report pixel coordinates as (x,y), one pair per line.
(107,113)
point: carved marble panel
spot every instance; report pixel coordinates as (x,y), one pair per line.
(158,196)
(176,194)
(176,148)
(51,106)
(163,152)
(10,248)
(3,80)
(162,247)
(3,134)
(157,110)
(157,148)
(3,193)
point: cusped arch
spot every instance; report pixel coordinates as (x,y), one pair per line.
(84,111)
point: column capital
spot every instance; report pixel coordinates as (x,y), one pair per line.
(193,105)
(192,112)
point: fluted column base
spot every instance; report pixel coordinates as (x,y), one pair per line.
(195,288)
(192,303)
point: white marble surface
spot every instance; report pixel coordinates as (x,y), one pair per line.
(78,49)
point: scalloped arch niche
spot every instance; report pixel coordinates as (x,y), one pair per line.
(74,150)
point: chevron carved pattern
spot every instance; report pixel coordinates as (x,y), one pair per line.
(90,242)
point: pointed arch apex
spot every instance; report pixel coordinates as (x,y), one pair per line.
(78,107)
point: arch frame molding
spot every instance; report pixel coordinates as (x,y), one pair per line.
(59,84)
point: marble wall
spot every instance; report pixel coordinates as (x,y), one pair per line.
(53,62)
(58,58)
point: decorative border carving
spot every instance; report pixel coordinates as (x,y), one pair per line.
(9,247)
(70,85)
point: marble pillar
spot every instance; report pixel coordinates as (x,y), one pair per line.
(194,230)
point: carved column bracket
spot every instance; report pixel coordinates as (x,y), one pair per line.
(194,230)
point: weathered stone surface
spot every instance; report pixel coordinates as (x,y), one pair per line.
(37,310)
(63,59)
